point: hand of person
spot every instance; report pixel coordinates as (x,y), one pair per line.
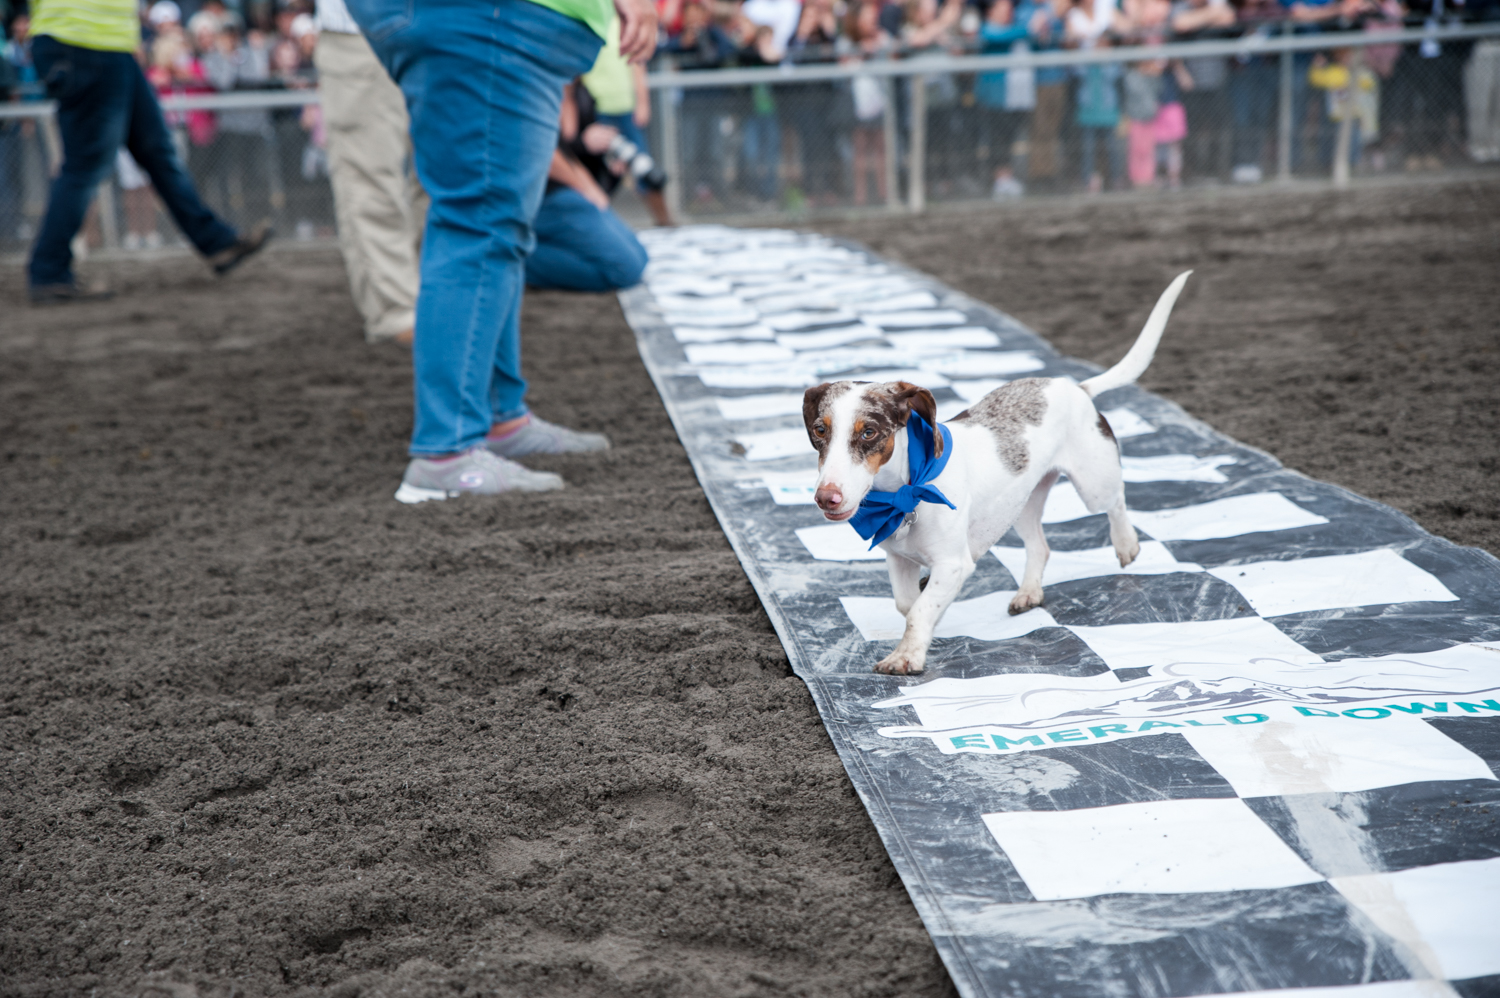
(586,185)
(597,137)
(637,29)
(642,113)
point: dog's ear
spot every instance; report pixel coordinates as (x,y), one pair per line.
(812,401)
(920,401)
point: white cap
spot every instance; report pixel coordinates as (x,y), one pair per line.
(303,24)
(164,12)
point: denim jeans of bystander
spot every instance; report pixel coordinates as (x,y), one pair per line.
(104,101)
(483,84)
(580,247)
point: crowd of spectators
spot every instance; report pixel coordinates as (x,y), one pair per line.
(248,164)
(1105,125)
(1102,126)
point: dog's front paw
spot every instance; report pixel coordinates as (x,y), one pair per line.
(900,663)
(1025,600)
(1126,557)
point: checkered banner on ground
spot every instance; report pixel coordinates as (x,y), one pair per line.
(1262,757)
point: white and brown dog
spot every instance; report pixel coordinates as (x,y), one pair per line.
(1008,450)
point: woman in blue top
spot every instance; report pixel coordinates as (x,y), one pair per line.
(1003,102)
(1099,119)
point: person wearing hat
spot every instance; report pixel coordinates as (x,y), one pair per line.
(84,54)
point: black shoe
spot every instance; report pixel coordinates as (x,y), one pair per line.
(61,294)
(246,246)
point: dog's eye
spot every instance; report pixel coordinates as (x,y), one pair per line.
(819,429)
(869,434)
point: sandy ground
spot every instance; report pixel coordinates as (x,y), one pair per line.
(266,731)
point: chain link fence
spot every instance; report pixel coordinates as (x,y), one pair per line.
(789,142)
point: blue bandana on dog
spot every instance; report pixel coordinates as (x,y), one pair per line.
(880,513)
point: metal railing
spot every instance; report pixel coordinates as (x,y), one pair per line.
(897,134)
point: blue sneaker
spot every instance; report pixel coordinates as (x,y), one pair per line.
(474,472)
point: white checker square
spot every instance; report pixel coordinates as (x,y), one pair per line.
(1175,468)
(759,406)
(943,340)
(1155,847)
(1333,755)
(775,444)
(1226,518)
(1064,504)
(984,363)
(792,488)
(718,334)
(1127,424)
(1448,914)
(986,618)
(838,542)
(978,388)
(917,319)
(1234,642)
(737,353)
(1066,566)
(1371,578)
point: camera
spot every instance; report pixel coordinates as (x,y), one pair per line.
(638,164)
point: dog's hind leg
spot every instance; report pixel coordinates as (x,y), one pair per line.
(1029,526)
(1122,535)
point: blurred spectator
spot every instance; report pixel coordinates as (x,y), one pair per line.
(140,203)
(622,102)
(1004,97)
(1252,90)
(781,16)
(701,45)
(1046,29)
(819,112)
(1207,104)
(1353,103)
(1482,90)
(86,55)
(866,39)
(239,177)
(1099,120)
(379,203)
(1142,86)
(1171,120)
(762,126)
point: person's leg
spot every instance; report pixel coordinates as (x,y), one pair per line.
(1116,151)
(483,87)
(1086,135)
(93,92)
(1142,153)
(150,142)
(368,143)
(580,248)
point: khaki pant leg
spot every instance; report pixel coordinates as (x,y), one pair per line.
(379,206)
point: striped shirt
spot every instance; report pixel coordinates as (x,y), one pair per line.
(107,25)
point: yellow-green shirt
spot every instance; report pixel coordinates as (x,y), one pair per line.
(106,25)
(595,13)
(611,82)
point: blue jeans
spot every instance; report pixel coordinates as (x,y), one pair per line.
(580,248)
(1252,99)
(763,154)
(483,83)
(103,100)
(1111,141)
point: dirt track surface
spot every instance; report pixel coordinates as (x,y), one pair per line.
(264,730)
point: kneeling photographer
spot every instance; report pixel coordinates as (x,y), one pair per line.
(581,245)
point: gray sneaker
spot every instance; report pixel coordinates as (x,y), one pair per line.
(475,471)
(538,436)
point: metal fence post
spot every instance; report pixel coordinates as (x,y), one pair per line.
(892,144)
(667,110)
(109,219)
(916,175)
(1284,124)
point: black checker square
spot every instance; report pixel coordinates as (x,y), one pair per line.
(1479,734)
(1478,987)
(1144,599)
(1171,945)
(1389,828)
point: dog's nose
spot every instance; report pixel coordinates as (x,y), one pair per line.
(828,496)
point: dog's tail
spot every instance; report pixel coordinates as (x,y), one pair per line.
(1134,363)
